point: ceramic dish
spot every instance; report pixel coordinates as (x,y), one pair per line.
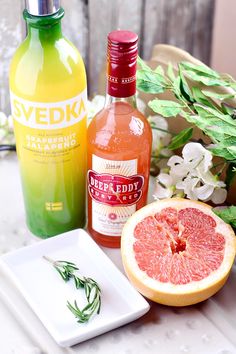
(47,293)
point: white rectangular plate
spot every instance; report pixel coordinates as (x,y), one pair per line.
(47,293)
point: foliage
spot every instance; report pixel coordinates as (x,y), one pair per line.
(227,214)
(203,108)
(68,271)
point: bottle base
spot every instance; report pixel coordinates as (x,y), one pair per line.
(47,234)
(105,241)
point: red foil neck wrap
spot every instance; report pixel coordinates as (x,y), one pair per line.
(122,51)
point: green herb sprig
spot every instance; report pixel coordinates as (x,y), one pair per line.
(68,271)
(204,108)
(198,100)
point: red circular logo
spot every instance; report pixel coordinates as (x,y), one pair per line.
(112,216)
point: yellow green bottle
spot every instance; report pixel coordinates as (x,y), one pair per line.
(48,104)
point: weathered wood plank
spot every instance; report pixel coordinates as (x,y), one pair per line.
(203,28)
(10,38)
(75,24)
(101,21)
(106,16)
(129,15)
(179,23)
(184,23)
(154,25)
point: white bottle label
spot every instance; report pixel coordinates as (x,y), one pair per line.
(115,189)
(53,115)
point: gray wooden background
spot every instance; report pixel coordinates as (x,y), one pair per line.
(184,23)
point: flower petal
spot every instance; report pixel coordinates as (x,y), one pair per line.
(180,171)
(158,122)
(174,160)
(219,196)
(165,179)
(208,178)
(161,192)
(197,153)
(204,192)
(193,151)
(187,185)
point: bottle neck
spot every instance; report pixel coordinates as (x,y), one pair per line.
(121,78)
(46,29)
(111,101)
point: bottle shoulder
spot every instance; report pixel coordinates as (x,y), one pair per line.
(58,66)
(118,131)
(118,116)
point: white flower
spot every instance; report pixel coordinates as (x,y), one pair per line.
(164,186)
(187,186)
(219,196)
(195,154)
(191,175)
(178,167)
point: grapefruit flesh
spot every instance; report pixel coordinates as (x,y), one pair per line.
(177,251)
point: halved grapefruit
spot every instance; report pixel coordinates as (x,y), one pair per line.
(177,252)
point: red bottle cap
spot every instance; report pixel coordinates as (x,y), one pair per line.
(122,51)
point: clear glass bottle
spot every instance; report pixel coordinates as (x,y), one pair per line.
(119,147)
(48,98)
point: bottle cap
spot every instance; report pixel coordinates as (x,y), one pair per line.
(122,51)
(42,7)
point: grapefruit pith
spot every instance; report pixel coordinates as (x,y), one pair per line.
(177,252)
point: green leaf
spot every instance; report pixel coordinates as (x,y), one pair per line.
(227,214)
(218,96)
(170,72)
(201,98)
(165,108)
(159,70)
(195,105)
(230,174)
(150,82)
(228,141)
(143,65)
(227,109)
(181,139)
(209,112)
(222,152)
(202,69)
(176,87)
(232,150)
(209,125)
(206,79)
(184,88)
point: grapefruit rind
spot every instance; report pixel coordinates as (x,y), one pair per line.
(168,293)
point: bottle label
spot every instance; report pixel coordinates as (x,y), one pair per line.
(46,131)
(44,115)
(115,189)
(51,147)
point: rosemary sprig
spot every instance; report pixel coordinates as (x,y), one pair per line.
(69,270)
